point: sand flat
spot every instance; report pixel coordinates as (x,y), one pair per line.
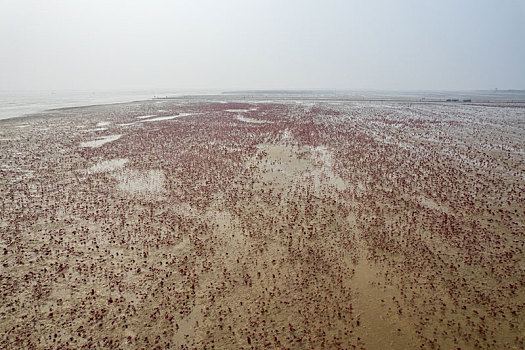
(346,224)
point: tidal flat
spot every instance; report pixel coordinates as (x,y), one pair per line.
(238,224)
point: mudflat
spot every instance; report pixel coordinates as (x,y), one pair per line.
(201,223)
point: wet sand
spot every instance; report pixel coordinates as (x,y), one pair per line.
(260,224)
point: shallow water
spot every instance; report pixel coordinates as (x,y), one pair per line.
(16,104)
(158,119)
(107,165)
(101,141)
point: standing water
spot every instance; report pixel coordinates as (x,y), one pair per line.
(19,103)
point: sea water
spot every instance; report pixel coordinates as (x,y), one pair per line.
(19,103)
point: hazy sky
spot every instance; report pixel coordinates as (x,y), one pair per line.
(265,44)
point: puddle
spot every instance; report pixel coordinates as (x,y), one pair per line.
(107,165)
(140,182)
(101,141)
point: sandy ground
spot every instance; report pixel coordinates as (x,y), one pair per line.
(220,224)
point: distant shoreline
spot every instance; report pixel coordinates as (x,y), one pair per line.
(483,98)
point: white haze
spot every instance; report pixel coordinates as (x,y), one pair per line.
(265,44)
